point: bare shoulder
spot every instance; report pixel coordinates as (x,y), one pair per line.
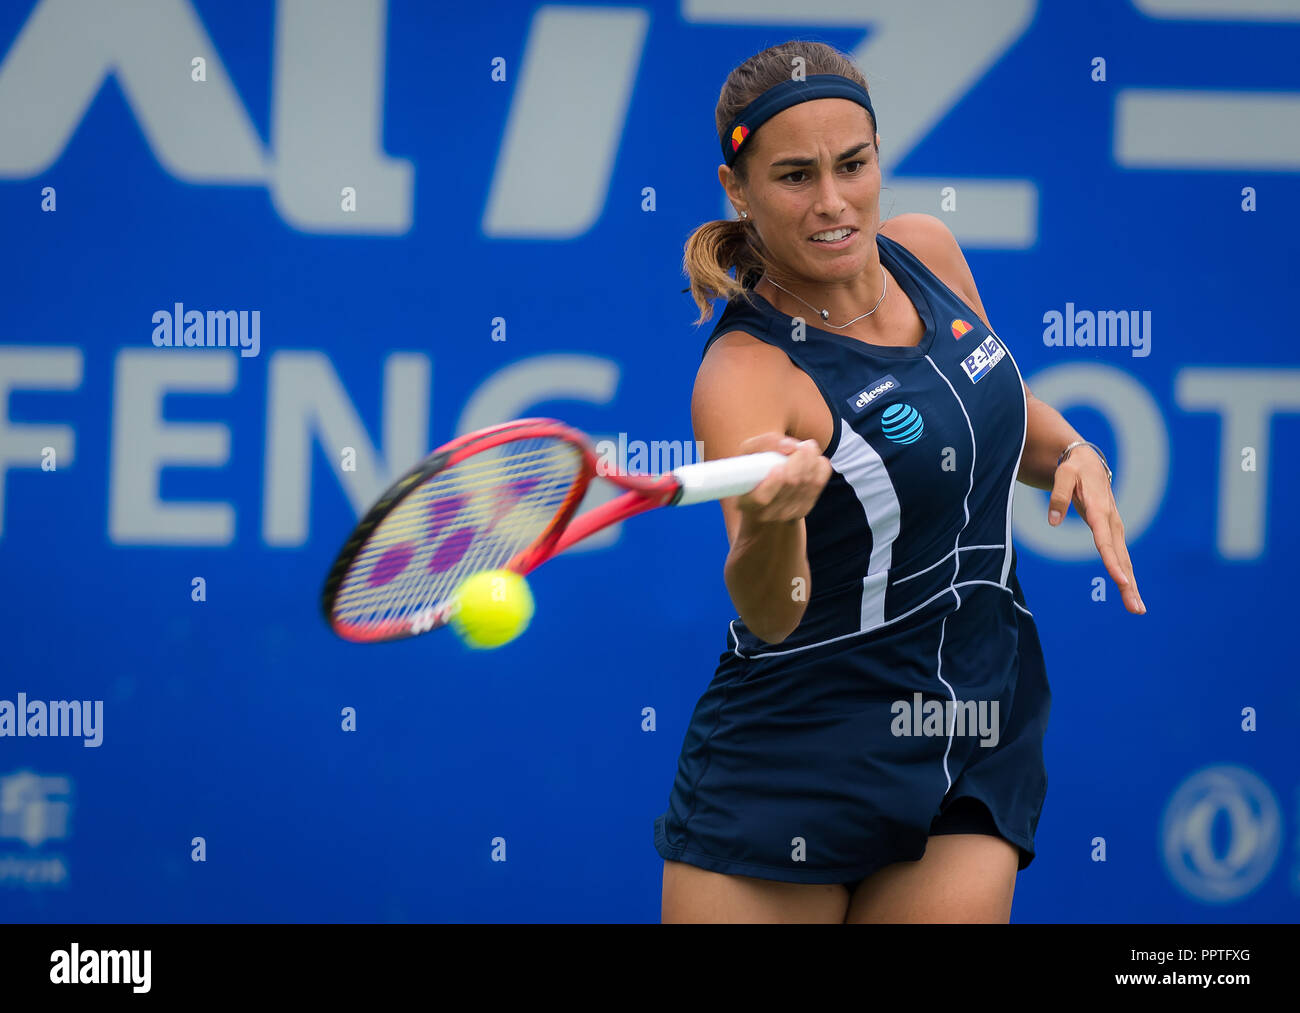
(740,350)
(933,243)
(914,223)
(926,236)
(738,364)
(743,387)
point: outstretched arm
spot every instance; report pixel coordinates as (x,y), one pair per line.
(1081,478)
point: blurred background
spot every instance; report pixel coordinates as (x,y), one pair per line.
(436,217)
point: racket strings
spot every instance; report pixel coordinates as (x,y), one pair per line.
(476,515)
(432,546)
(462,508)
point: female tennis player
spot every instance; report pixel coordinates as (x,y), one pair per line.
(870,747)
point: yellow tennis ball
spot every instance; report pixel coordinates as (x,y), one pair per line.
(492,608)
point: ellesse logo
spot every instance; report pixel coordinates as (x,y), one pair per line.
(875,390)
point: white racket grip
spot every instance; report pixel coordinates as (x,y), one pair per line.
(729,476)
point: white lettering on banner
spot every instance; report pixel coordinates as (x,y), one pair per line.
(143,442)
(553,171)
(1165,128)
(511,392)
(1246,400)
(327,115)
(328,101)
(1220,10)
(307,405)
(33,367)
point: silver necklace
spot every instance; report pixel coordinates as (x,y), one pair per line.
(825,314)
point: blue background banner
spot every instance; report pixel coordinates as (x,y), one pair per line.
(445,217)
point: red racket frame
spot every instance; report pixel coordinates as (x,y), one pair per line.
(643,492)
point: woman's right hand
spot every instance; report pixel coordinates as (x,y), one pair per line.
(792,488)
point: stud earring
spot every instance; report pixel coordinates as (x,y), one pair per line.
(744,214)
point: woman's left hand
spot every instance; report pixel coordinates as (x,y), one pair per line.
(1081,479)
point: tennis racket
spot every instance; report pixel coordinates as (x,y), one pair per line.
(498,498)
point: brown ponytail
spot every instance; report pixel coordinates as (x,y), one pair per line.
(711,251)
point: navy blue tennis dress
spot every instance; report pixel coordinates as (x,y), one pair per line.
(912,698)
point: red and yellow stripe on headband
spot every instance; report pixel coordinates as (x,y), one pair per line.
(782,96)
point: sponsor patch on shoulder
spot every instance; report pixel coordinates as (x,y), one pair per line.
(873,392)
(986,355)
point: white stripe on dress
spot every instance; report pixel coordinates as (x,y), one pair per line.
(1011,491)
(865,473)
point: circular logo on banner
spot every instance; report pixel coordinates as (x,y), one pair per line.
(1222,831)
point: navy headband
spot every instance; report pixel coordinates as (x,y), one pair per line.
(785,95)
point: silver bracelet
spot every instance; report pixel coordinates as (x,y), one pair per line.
(1085,443)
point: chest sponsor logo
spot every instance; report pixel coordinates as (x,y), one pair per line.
(902,423)
(989,353)
(871,393)
(960,327)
